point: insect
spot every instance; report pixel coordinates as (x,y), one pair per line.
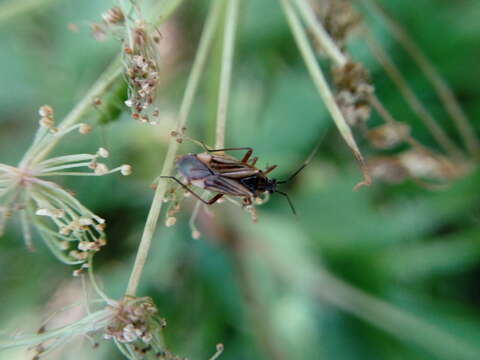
(227,175)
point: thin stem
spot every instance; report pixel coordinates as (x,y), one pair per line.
(39,152)
(192,86)
(415,104)
(322,86)
(439,84)
(231,17)
(326,42)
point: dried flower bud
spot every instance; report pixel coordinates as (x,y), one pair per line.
(84,129)
(171,220)
(101,169)
(103,152)
(353,90)
(46,122)
(77,272)
(98,32)
(423,164)
(45,111)
(113,16)
(87,245)
(339,19)
(388,135)
(388,169)
(125,170)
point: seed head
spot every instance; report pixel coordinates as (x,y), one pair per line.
(113,16)
(171,220)
(101,169)
(103,152)
(126,170)
(84,129)
(45,111)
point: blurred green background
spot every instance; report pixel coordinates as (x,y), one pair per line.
(388,272)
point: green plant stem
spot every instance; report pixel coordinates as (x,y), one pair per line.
(322,86)
(415,104)
(190,91)
(433,76)
(38,152)
(231,17)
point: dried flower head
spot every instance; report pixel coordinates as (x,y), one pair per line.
(338,17)
(415,164)
(388,135)
(353,90)
(71,231)
(133,319)
(132,323)
(113,16)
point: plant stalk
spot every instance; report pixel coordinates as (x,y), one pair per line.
(187,101)
(231,17)
(323,88)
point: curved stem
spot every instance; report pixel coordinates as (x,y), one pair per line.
(326,42)
(226,71)
(323,88)
(192,86)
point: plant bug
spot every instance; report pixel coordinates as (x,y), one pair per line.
(227,175)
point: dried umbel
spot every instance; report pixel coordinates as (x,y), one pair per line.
(132,323)
(388,135)
(338,17)
(353,91)
(133,319)
(71,231)
(415,164)
(140,54)
(142,63)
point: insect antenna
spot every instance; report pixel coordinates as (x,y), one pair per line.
(293,175)
(289,201)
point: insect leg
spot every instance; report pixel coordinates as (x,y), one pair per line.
(254,161)
(245,157)
(269,169)
(209,202)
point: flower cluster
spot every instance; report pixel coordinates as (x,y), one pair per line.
(353,90)
(132,323)
(416,164)
(339,19)
(71,231)
(133,319)
(140,57)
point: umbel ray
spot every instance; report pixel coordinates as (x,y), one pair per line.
(227,175)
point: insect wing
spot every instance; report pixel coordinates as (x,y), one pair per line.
(192,168)
(231,167)
(226,186)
